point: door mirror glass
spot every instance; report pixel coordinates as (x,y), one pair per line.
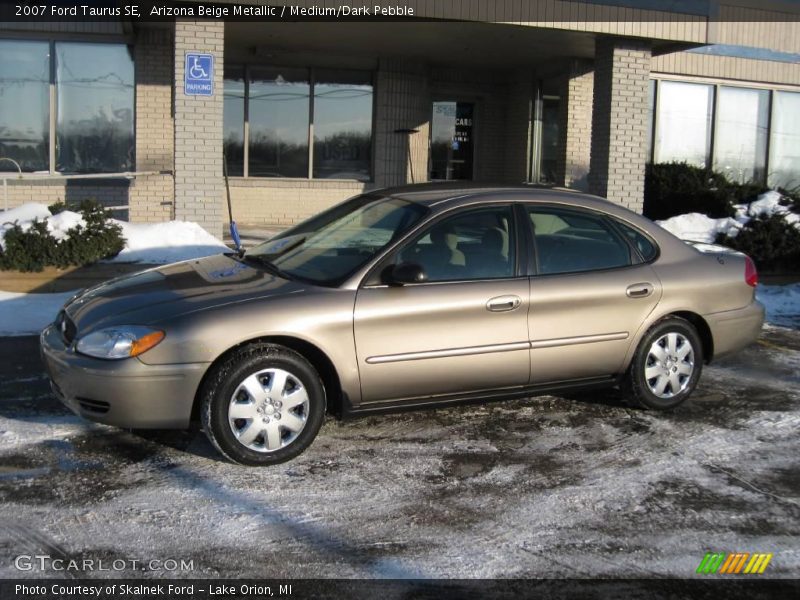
(406,273)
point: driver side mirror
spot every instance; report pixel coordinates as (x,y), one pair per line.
(406,273)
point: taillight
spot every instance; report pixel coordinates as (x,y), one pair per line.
(750,273)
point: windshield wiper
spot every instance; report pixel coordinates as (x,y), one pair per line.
(269,266)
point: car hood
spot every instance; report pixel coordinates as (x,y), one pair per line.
(166,292)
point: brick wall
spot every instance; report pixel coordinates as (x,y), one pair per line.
(151,196)
(199,185)
(619,124)
(108,193)
(518,123)
(285,202)
(575,125)
(402,103)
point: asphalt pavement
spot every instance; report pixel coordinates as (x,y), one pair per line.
(578,486)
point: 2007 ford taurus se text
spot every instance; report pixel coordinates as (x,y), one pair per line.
(404,297)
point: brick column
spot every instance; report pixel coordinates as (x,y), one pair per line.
(402,103)
(199,187)
(151,196)
(619,120)
(575,125)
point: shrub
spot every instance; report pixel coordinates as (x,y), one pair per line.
(770,241)
(57,207)
(36,248)
(672,189)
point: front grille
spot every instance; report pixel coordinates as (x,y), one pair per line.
(66,327)
(94,406)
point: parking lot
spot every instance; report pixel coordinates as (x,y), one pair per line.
(573,486)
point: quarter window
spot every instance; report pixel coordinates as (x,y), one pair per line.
(647,250)
(572,242)
(478,244)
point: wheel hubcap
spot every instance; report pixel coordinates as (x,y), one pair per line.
(669,365)
(268,410)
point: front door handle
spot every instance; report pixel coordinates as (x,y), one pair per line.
(503,303)
(639,290)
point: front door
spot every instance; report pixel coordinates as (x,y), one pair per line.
(464,330)
(452,141)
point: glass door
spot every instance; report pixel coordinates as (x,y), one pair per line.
(452,139)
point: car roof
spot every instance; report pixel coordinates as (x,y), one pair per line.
(449,193)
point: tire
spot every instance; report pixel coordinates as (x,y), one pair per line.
(262,405)
(654,380)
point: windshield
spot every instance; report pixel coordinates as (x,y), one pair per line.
(326,249)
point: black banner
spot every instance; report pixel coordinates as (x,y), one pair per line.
(301,589)
(668,11)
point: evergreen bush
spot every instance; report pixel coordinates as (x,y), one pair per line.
(36,248)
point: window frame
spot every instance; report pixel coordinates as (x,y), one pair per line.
(52,120)
(635,256)
(312,81)
(372,279)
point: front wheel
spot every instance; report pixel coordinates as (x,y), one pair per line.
(263,405)
(666,367)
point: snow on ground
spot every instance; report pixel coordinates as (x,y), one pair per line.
(158,243)
(26,314)
(698,227)
(577,486)
(782,303)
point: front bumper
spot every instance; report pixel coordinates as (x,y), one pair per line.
(732,330)
(125,393)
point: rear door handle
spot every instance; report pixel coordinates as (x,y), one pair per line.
(503,303)
(639,290)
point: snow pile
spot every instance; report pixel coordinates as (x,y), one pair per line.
(782,303)
(698,227)
(28,314)
(166,242)
(158,243)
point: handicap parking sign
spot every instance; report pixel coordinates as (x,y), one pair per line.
(199,75)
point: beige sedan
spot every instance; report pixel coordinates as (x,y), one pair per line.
(406,297)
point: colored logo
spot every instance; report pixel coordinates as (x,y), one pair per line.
(734,563)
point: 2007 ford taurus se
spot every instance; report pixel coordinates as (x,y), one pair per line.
(404,297)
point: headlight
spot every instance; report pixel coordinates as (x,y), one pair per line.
(119,342)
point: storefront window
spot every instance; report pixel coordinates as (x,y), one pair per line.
(550,133)
(93,121)
(684,123)
(95,89)
(342,125)
(784,155)
(740,141)
(279,118)
(270,112)
(24,105)
(233,121)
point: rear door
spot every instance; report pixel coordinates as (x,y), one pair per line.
(464,330)
(590,293)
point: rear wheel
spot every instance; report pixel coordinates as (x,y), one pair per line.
(263,405)
(666,367)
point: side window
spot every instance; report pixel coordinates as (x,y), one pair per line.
(478,244)
(646,248)
(574,242)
